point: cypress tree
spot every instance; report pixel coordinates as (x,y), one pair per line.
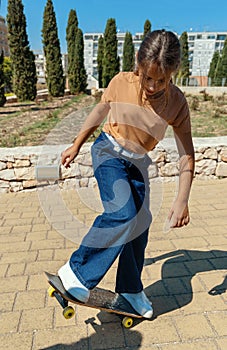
(111,62)
(7,69)
(224,63)
(23,59)
(146,28)
(100,60)
(80,82)
(71,31)
(128,53)
(218,73)
(184,67)
(213,66)
(51,46)
(2,89)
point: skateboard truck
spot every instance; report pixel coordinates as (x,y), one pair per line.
(68,311)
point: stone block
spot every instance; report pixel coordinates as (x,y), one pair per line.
(7,174)
(205,166)
(223,154)
(169,169)
(27,173)
(211,153)
(221,169)
(2,165)
(20,163)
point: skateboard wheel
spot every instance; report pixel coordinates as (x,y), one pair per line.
(68,312)
(51,292)
(127,322)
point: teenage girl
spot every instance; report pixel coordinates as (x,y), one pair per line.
(139,106)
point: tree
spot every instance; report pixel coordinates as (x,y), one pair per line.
(213,65)
(2,87)
(23,59)
(146,28)
(111,62)
(100,59)
(71,31)
(51,46)
(80,82)
(128,53)
(8,74)
(218,72)
(224,63)
(183,72)
(221,69)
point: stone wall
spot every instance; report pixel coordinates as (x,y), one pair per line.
(18,166)
(210,90)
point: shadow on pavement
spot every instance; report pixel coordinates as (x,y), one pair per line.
(174,289)
(101,338)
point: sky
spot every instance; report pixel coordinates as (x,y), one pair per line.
(130,15)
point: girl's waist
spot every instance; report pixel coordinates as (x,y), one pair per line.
(121,150)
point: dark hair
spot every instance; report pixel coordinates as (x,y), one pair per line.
(161,47)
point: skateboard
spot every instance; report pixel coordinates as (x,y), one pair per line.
(101,299)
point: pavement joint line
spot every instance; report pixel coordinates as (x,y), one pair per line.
(202,268)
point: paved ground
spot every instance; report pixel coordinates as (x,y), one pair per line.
(184,275)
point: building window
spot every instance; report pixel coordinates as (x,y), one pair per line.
(221,37)
(87,37)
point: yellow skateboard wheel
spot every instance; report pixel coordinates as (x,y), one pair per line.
(68,312)
(51,291)
(127,322)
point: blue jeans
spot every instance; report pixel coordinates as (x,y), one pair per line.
(122,229)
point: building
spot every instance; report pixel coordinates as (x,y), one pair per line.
(3,37)
(202,46)
(40,63)
(40,67)
(91,53)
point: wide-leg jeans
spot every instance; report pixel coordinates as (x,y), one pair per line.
(122,229)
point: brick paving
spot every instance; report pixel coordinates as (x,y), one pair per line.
(184,276)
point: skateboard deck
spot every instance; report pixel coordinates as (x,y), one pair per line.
(101,299)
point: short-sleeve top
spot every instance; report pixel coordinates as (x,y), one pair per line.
(137,127)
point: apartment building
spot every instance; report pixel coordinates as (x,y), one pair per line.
(40,63)
(202,46)
(3,37)
(91,53)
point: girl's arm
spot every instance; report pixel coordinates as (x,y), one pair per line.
(91,123)
(179,213)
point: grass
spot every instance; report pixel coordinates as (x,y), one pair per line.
(208,115)
(34,129)
(208,119)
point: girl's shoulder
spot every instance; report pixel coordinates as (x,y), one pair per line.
(126,77)
(122,88)
(176,93)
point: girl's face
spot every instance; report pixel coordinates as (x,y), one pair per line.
(153,80)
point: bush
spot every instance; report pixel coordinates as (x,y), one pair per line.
(194,103)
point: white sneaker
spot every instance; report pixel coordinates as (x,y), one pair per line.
(72,284)
(140,303)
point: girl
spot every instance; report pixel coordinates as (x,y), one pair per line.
(139,106)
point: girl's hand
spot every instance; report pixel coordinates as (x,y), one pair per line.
(179,214)
(68,155)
